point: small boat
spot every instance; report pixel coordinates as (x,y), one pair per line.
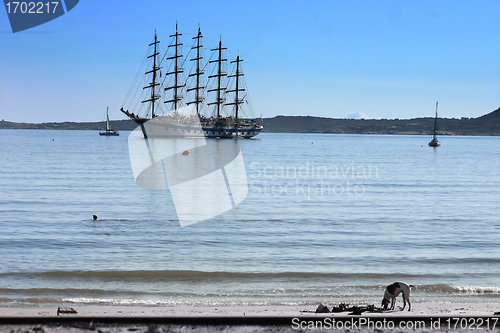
(109,131)
(434,142)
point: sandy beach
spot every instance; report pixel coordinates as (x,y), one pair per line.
(424,317)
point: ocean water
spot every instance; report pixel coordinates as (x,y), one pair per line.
(328,218)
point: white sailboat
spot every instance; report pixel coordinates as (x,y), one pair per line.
(109,131)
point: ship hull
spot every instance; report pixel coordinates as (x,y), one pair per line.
(162,129)
(231,133)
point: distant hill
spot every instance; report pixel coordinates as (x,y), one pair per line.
(492,115)
(486,125)
(489,124)
(120,125)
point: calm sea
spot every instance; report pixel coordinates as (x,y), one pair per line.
(328,218)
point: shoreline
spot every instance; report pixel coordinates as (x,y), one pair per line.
(391,133)
(422,309)
(486,125)
(424,317)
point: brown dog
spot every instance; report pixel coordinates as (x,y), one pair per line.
(393,290)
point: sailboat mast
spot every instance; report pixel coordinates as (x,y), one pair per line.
(435,120)
(177,70)
(198,72)
(153,84)
(237,100)
(107,118)
(219,76)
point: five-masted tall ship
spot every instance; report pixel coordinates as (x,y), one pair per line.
(217,103)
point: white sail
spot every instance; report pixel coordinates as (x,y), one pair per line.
(109,131)
(107,123)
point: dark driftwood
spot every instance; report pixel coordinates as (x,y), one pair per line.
(343,307)
(65,310)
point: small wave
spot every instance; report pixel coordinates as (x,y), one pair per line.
(194,275)
(477,290)
(455,289)
(177,302)
(65,292)
(240,296)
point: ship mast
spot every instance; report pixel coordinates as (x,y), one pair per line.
(198,99)
(153,84)
(220,100)
(237,100)
(177,70)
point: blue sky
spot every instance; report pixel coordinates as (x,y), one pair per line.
(385,59)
